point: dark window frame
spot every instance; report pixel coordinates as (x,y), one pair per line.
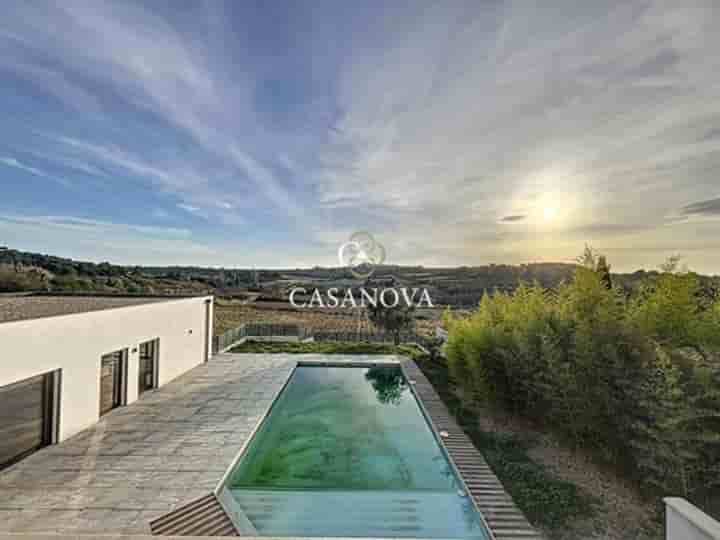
(154,344)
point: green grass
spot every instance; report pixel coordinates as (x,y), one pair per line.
(328,347)
(548,502)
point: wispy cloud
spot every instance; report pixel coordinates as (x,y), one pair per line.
(436,126)
(14,163)
(710,207)
(124,243)
(117,158)
(513,218)
(155,69)
(84,224)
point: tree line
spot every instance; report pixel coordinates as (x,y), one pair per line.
(632,376)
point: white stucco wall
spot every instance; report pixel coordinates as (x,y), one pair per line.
(74,343)
(683,521)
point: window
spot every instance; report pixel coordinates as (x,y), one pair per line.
(113,370)
(148,365)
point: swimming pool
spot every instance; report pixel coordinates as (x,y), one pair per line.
(347,451)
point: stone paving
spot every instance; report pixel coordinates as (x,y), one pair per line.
(141,461)
(174,446)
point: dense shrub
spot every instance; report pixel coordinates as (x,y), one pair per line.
(634,379)
(12,280)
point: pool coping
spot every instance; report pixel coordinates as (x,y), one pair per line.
(496,509)
(215,408)
(502,517)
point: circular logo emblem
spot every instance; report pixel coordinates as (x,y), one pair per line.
(361,254)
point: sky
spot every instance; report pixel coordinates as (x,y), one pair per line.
(458,133)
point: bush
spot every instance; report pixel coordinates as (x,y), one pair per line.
(635,380)
(12,280)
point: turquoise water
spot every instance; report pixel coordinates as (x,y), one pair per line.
(346,451)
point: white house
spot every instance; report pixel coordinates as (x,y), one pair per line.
(67,360)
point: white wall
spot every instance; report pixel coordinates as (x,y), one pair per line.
(683,521)
(75,343)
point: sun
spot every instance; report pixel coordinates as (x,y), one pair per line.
(548,199)
(549,213)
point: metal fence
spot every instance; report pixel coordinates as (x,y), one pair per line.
(295,332)
(367,337)
(258,330)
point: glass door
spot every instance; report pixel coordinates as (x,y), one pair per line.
(111,380)
(148,372)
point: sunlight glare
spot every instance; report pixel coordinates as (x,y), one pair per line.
(550,213)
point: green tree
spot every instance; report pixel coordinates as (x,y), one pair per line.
(635,380)
(392,320)
(671,264)
(603,270)
(588,258)
(388,383)
(666,310)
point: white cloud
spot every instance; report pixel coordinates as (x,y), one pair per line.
(14,163)
(601,109)
(154,68)
(93,225)
(438,123)
(189,208)
(124,243)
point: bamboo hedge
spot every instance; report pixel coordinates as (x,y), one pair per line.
(634,378)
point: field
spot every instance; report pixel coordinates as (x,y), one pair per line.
(232,313)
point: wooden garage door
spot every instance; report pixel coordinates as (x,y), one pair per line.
(24,417)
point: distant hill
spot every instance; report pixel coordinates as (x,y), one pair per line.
(24,271)
(457,286)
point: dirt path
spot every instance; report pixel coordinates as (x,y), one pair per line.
(621,514)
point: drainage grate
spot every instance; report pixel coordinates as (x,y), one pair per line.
(202,517)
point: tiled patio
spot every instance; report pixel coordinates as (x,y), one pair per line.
(142,461)
(173,446)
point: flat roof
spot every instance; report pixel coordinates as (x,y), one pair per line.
(22,307)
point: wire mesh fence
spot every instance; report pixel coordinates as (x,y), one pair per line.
(295,332)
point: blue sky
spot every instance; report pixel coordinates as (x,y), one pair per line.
(264,133)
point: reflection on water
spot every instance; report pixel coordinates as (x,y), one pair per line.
(350,431)
(388,384)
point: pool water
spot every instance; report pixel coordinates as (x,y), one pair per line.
(347,451)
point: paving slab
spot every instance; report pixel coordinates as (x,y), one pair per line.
(174,445)
(139,462)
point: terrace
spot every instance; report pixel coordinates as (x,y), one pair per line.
(172,447)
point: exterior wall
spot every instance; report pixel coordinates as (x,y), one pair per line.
(683,521)
(74,343)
